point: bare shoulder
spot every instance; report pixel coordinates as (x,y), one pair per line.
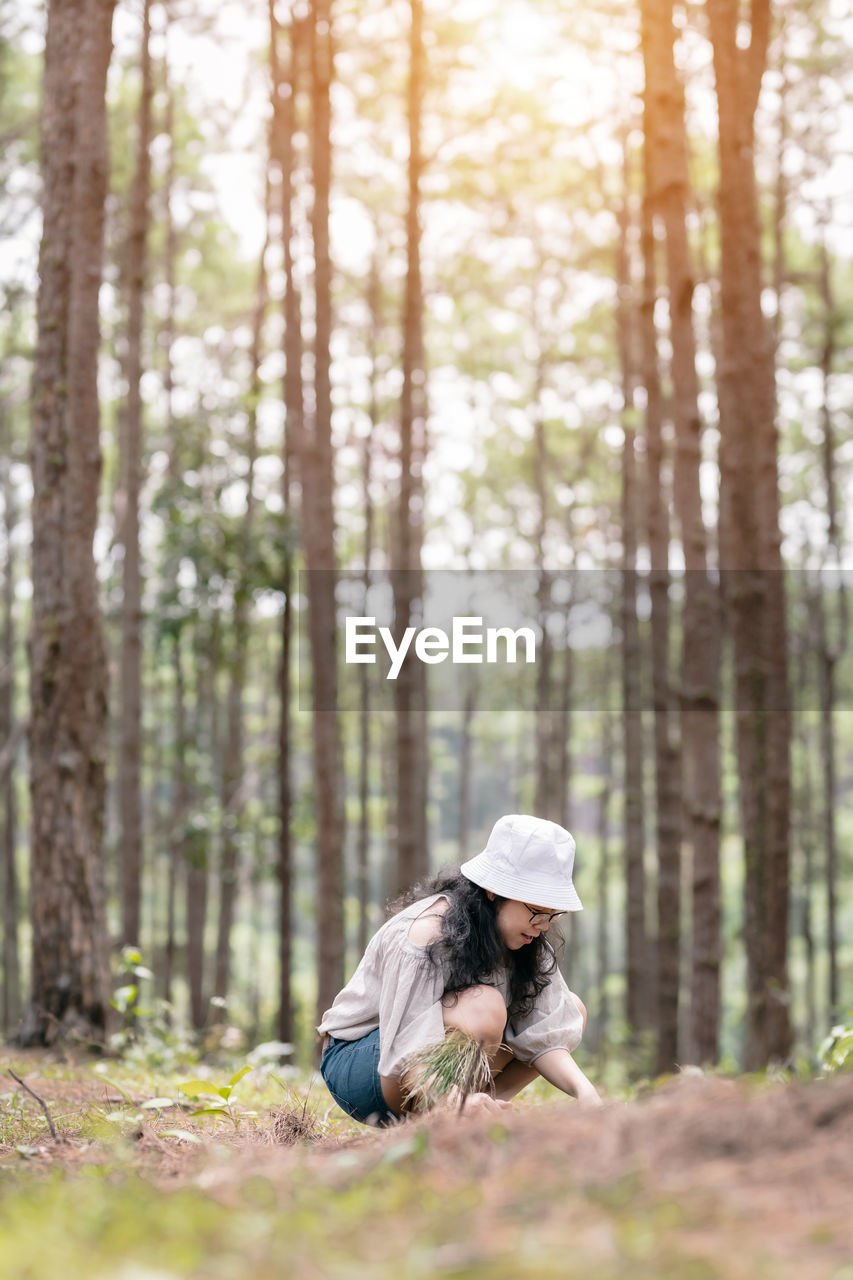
(427,927)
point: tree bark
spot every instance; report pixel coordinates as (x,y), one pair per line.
(233,789)
(466,754)
(667,754)
(319,531)
(374,301)
(553,686)
(410,693)
(284,90)
(8,737)
(130,800)
(636,959)
(602,936)
(196,841)
(804,834)
(750,550)
(668,194)
(68,694)
(176,851)
(830,647)
(180,809)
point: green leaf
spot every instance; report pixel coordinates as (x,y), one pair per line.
(114,1084)
(211,1111)
(124,997)
(244,1071)
(192,1088)
(184,1134)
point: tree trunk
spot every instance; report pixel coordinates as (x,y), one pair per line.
(804,836)
(830,647)
(363,855)
(284,91)
(602,939)
(68,678)
(466,753)
(130,805)
(233,789)
(176,851)
(668,194)
(410,693)
(197,834)
(636,970)
(319,529)
(8,833)
(180,810)
(551,787)
(750,538)
(667,755)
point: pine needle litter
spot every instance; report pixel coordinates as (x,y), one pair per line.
(457,1062)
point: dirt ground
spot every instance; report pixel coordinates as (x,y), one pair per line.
(701,1179)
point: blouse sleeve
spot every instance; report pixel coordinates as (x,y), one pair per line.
(556,1022)
(410,1011)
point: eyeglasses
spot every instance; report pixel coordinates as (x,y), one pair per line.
(542,917)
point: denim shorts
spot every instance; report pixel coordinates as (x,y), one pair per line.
(350,1069)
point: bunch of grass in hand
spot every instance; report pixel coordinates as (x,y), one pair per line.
(458,1061)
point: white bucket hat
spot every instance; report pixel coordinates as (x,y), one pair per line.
(527,859)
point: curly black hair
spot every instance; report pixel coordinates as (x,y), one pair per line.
(471,949)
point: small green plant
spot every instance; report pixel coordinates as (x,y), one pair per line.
(836,1051)
(133,971)
(458,1062)
(223,1105)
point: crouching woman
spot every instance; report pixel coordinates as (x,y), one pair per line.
(467,953)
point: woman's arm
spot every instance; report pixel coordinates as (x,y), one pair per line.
(559,1068)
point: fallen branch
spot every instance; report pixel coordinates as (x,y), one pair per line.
(41,1103)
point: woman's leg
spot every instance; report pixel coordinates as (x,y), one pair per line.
(479,1011)
(512,1078)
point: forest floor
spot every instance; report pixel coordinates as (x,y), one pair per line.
(702,1178)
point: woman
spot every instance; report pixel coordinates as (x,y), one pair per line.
(467,952)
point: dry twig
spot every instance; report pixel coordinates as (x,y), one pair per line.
(41,1103)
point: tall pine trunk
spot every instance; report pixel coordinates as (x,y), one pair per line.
(9,738)
(668,194)
(667,755)
(374,302)
(410,693)
(68,678)
(130,801)
(750,540)
(832,638)
(233,790)
(602,933)
(284,90)
(318,522)
(636,959)
(180,806)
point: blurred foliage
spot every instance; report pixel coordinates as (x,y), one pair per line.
(836,1051)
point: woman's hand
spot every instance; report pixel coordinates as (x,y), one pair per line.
(474,1104)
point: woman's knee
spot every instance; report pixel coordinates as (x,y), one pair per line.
(480,1011)
(580,1004)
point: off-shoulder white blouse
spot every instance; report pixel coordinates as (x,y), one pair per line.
(398,990)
